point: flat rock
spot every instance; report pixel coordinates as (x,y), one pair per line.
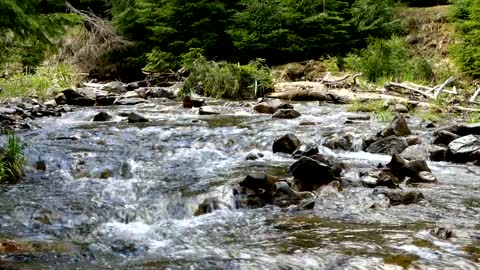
(389,145)
(136,118)
(399,197)
(464,149)
(271,106)
(129,101)
(309,174)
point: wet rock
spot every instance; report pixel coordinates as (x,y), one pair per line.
(412,169)
(389,145)
(254,156)
(286,114)
(359,117)
(207,206)
(464,149)
(309,174)
(398,127)
(160,92)
(399,197)
(284,195)
(379,179)
(60,99)
(336,141)
(102,116)
(132,86)
(438,153)
(271,106)
(419,151)
(444,137)
(442,233)
(429,124)
(400,108)
(10,246)
(129,101)
(207,111)
(77,97)
(131,94)
(286,144)
(105,100)
(189,102)
(414,140)
(259,181)
(114,87)
(136,118)
(50,104)
(305,151)
(307,123)
(41,165)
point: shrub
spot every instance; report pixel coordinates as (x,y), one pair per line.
(225,80)
(390,58)
(12,161)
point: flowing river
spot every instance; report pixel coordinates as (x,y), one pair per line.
(122,196)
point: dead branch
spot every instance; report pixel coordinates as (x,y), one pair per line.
(440,88)
(391,86)
(474,96)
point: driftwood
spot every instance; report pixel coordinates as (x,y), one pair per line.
(341,82)
(474,96)
(422,90)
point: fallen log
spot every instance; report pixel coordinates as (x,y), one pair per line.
(391,86)
(439,89)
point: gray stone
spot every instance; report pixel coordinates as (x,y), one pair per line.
(286,144)
(400,108)
(398,127)
(286,114)
(271,106)
(309,174)
(389,145)
(129,101)
(136,118)
(398,197)
(464,149)
(102,116)
(444,137)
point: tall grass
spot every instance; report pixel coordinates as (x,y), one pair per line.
(44,82)
(12,161)
(377,107)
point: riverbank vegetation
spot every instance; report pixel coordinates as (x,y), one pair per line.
(424,42)
(12,161)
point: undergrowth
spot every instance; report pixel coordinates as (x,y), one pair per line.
(43,82)
(378,108)
(12,161)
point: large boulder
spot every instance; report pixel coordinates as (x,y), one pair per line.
(389,145)
(464,149)
(310,174)
(398,197)
(419,151)
(114,87)
(398,127)
(444,137)
(105,99)
(271,106)
(79,97)
(288,143)
(286,114)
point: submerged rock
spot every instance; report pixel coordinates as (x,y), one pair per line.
(189,102)
(305,151)
(136,118)
(105,99)
(284,195)
(399,197)
(129,101)
(286,144)
(309,174)
(254,156)
(286,114)
(207,206)
(336,141)
(102,116)
(464,149)
(416,170)
(207,111)
(271,106)
(379,179)
(389,145)
(442,233)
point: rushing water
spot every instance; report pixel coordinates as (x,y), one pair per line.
(122,196)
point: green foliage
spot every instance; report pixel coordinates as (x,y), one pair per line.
(377,107)
(225,80)
(390,59)
(12,161)
(466,14)
(46,81)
